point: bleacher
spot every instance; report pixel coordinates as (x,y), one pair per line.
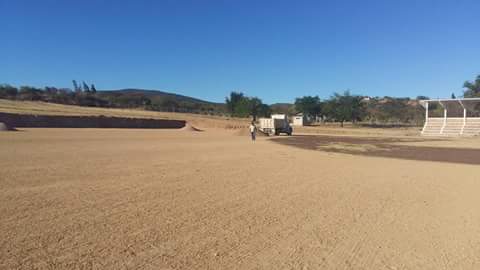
(433,126)
(472,127)
(452,126)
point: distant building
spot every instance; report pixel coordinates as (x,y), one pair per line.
(300,120)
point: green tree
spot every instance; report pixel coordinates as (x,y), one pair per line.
(255,105)
(472,88)
(242,108)
(85,87)
(257,108)
(239,105)
(8,91)
(233,101)
(345,107)
(76,87)
(30,93)
(308,105)
(264,110)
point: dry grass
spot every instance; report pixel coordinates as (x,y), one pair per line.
(164,199)
(44,108)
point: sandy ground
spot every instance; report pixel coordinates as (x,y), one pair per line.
(163,199)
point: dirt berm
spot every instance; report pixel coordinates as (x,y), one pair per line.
(61,121)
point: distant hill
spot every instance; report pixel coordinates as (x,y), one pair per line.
(153,94)
(159,100)
(124,98)
(285,108)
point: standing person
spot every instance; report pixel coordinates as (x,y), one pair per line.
(253,129)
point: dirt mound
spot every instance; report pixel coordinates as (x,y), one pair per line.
(5,127)
(189,127)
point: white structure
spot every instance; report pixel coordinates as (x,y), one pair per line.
(299,120)
(461,117)
(279,116)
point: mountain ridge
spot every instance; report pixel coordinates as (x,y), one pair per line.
(157,93)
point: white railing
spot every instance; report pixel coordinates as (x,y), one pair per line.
(451,126)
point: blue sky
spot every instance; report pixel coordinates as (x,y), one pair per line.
(276,50)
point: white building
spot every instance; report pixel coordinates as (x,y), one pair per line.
(299,120)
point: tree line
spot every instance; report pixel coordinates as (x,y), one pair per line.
(345,107)
(83,94)
(340,107)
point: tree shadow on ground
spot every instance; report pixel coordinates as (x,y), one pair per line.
(382,147)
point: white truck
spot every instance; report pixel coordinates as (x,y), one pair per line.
(276,124)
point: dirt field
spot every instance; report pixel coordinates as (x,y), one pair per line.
(444,150)
(164,199)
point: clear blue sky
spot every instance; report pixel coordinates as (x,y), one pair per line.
(276,50)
